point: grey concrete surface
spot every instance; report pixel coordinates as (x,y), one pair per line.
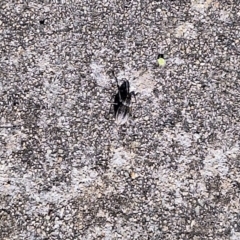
(67,171)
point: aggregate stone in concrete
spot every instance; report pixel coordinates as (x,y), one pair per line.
(67,171)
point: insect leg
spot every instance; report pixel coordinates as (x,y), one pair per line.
(110,108)
(120,98)
(134,94)
(111,103)
(115,78)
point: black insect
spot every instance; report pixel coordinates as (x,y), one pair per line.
(42,21)
(122,102)
(160,56)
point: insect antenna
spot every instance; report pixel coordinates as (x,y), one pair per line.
(115,78)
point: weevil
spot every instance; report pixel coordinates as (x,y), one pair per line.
(122,102)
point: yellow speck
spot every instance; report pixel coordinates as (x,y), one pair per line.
(161,61)
(133,175)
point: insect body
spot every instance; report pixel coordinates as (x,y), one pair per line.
(122,102)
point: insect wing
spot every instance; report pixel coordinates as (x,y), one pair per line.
(116,104)
(127,101)
(124,90)
(122,114)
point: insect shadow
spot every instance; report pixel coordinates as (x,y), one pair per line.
(122,102)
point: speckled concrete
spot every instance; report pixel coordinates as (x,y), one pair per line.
(67,171)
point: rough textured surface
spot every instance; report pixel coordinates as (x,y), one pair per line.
(67,172)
